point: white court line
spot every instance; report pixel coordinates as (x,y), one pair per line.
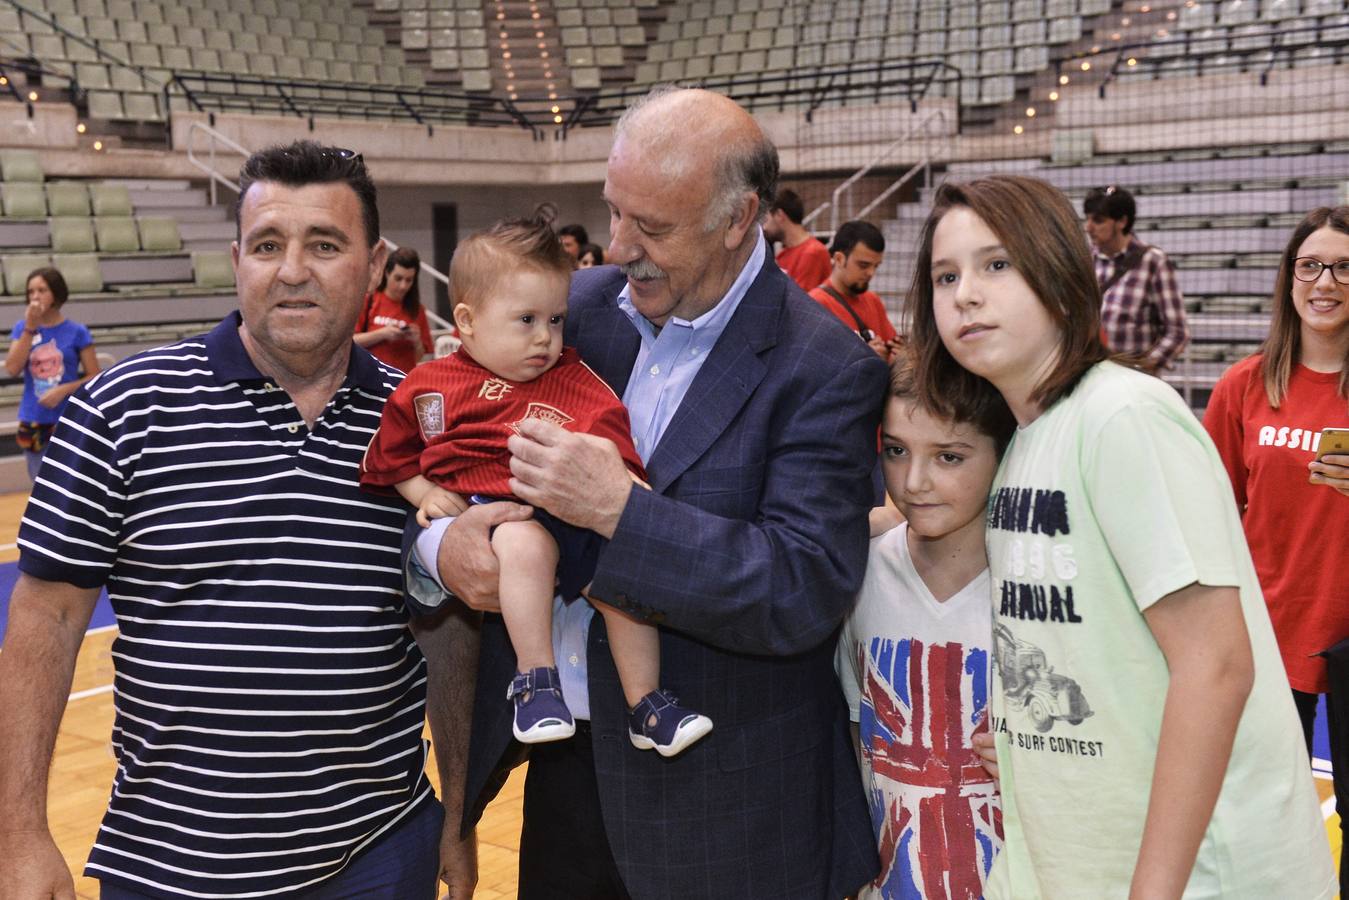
(101,689)
(9,546)
(91,692)
(1328,808)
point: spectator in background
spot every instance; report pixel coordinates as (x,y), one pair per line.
(392,324)
(1266,416)
(51,351)
(802,257)
(591,255)
(1142,310)
(855,255)
(573,238)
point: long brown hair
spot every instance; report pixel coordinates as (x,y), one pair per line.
(408,259)
(1282,349)
(1044,239)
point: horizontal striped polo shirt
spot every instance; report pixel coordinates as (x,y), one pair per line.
(269,696)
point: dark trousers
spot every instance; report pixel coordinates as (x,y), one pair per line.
(1337,720)
(564,852)
(402,865)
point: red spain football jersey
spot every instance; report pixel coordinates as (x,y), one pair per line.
(449,421)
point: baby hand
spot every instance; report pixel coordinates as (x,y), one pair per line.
(437,504)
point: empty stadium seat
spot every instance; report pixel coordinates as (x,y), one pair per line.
(67,198)
(159,234)
(72,234)
(81,272)
(117,234)
(17,266)
(211,269)
(20,165)
(23,200)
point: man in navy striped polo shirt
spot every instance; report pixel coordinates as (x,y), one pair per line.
(270,697)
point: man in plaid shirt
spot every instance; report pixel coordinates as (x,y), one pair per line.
(1142,310)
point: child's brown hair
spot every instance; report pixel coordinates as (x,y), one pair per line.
(986,411)
(509,245)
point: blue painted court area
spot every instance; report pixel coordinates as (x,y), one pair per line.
(9,573)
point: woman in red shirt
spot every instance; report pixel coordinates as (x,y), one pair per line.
(1266,417)
(392,325)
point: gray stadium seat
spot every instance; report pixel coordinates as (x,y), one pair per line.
(67,198)
(72,234)
(20,165)
(212,269)
(159,234)
(117,234)
(17,266)
(81,271)
(23,200)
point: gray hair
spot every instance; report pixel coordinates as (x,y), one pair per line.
(742,165)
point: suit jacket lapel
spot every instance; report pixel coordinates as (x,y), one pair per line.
(727,379)
(609,343)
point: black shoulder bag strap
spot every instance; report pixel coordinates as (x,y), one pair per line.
(862,328)
(1127,264)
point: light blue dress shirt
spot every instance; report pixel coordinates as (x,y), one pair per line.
(667,362)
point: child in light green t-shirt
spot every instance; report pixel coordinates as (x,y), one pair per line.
(1146,740)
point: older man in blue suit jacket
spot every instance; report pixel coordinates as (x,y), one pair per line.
(756,415)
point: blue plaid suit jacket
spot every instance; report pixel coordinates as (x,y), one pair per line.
(748,551)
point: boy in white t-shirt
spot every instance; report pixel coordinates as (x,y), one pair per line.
(914,657)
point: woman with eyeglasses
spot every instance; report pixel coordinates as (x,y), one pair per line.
(1266,417)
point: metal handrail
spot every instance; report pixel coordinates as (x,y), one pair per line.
(924,165)
(441,326)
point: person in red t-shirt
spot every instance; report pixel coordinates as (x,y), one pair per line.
(392,324)
(1266,416)
(855,255)
(802,257)
(443,437)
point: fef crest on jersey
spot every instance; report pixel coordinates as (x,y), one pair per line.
(430,414)
(546,413)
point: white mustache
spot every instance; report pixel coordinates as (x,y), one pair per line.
(643,270)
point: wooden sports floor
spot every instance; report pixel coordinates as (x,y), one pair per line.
(83,767)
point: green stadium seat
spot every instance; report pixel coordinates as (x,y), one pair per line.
(72,234)
(212,269)
(101,29)
(160,234)
(92,76)
(81,271)
(117,234)
(23,200)
(20,165)
(585,77)
(67,198)
(176,58)
(142,107)
(105,105)
(17,266)
(477,80)
(133,31)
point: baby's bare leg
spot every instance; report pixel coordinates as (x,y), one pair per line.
(528,557)
(636,650)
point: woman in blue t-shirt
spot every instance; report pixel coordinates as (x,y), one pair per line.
(50,351)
